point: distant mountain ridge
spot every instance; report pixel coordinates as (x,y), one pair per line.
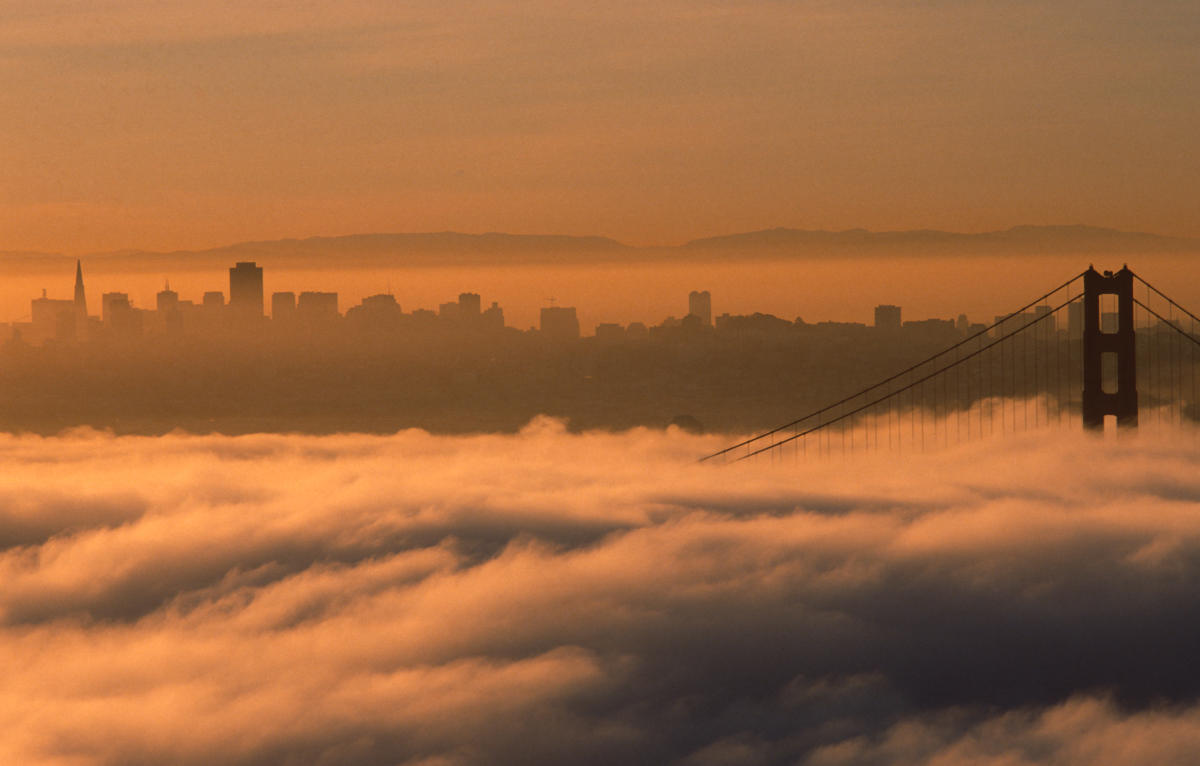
(1028,238)
(447,241)
(495,248)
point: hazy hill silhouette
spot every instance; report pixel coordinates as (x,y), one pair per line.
(1018,239)
(453,248)
(433,248)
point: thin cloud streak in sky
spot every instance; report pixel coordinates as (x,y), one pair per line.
(594,598)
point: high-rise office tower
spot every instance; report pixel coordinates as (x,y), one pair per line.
(700,305)
(246,290)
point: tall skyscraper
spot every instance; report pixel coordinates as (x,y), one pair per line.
(246,290)
(700,305)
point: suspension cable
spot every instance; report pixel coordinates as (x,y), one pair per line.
(908,387)
(1166,297)
(1168,322)
(901,373)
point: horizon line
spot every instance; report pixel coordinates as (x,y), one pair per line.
(77,254)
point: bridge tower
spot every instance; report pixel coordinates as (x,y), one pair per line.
(1120,344)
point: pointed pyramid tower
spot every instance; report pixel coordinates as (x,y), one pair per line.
(80,296)
(81,314)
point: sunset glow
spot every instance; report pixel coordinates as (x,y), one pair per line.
(672,383)
(137,124)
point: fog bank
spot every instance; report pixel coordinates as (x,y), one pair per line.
(595,598)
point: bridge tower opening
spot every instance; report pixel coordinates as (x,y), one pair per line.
(1120,343)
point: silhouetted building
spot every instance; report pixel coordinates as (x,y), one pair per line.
(166,299)
(317,307)
(941,331)
(636,331)
(1048,324)
(112,305)
(118,314)
(167,315)
(1001,325)
(468,307)
(700,306)
(693,324)
(246,290)
(211,315)
(493,318)
(887,317)
(376,312)
(609,332)
(1075,320)
(283,307)
(51,318)
(448,311)
(559,323)
(754,325)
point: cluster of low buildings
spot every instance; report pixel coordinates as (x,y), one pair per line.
(63,320)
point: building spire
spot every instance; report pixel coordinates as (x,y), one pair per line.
(80,296)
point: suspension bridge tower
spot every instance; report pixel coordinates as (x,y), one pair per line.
(1119,345)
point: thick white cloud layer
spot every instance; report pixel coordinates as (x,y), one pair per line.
(595,598)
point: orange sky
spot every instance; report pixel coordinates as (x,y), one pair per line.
(132,123)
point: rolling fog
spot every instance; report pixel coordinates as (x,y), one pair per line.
(595,598)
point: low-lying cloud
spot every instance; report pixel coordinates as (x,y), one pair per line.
(596,598)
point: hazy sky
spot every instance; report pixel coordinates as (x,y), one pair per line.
(138,123)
